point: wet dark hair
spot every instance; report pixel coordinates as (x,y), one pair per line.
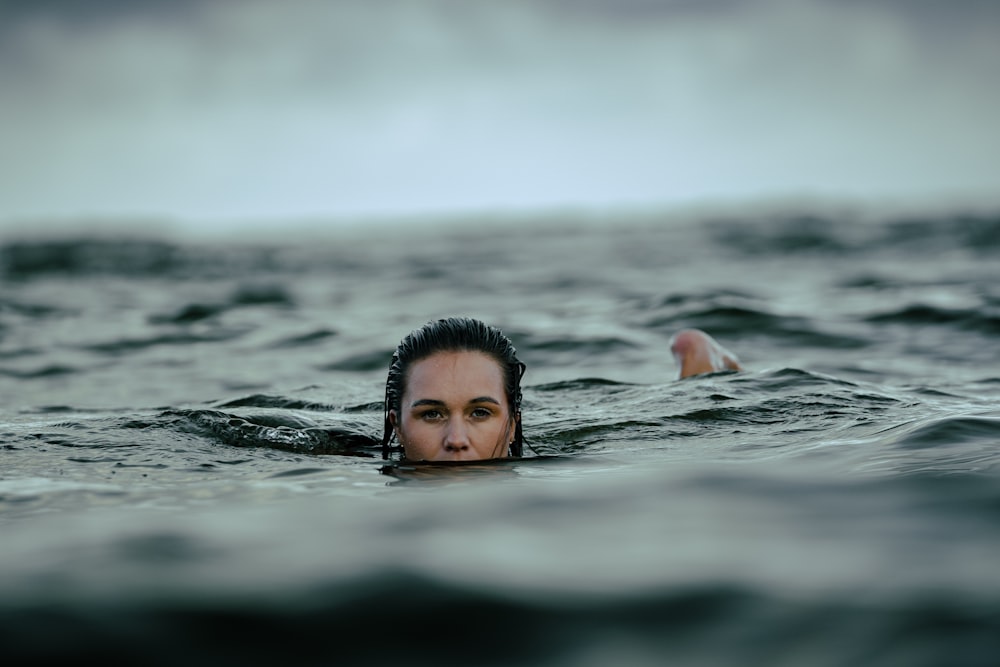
(454,334)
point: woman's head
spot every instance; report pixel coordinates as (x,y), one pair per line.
(454,393)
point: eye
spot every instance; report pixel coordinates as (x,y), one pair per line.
(482,413)
(430,415)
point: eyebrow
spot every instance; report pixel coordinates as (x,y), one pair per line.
(435,402)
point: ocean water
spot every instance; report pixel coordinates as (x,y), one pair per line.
(188,471)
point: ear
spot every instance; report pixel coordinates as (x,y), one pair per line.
(394,421)
(515,419)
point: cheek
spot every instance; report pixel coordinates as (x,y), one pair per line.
(494,438)
(410,425)
(414,435)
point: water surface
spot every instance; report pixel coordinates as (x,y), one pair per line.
(189,469)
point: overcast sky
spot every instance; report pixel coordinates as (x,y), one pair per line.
(253,110)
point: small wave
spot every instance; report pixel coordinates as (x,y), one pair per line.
(572,436)
(299,472)
(783,402)
(305,339)
(751,414)
(245,296)
(868,281)
(372,407)
(366,361)
(726,318)
(262,294)
(585,346)
(26,259)
(940,446)
(790,378)
(950,431)
(270,401)
(578,384)
(788,233)
(718,319)
(123,345)
(239,431)
(193,312)
(98,256)
(27,309)
(923,314)
(54,409)
(977,233)
(685,298)
(50,370)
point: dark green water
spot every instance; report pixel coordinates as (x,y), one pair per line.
(186,473)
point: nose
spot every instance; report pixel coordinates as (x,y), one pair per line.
(456,438)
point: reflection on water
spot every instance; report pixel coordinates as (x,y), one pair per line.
(450,472)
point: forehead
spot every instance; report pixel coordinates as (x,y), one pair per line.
(455,375)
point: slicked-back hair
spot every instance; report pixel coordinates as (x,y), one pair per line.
(454,334)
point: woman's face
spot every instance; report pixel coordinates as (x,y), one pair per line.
(454,408)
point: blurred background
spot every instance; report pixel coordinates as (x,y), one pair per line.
(216,115)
